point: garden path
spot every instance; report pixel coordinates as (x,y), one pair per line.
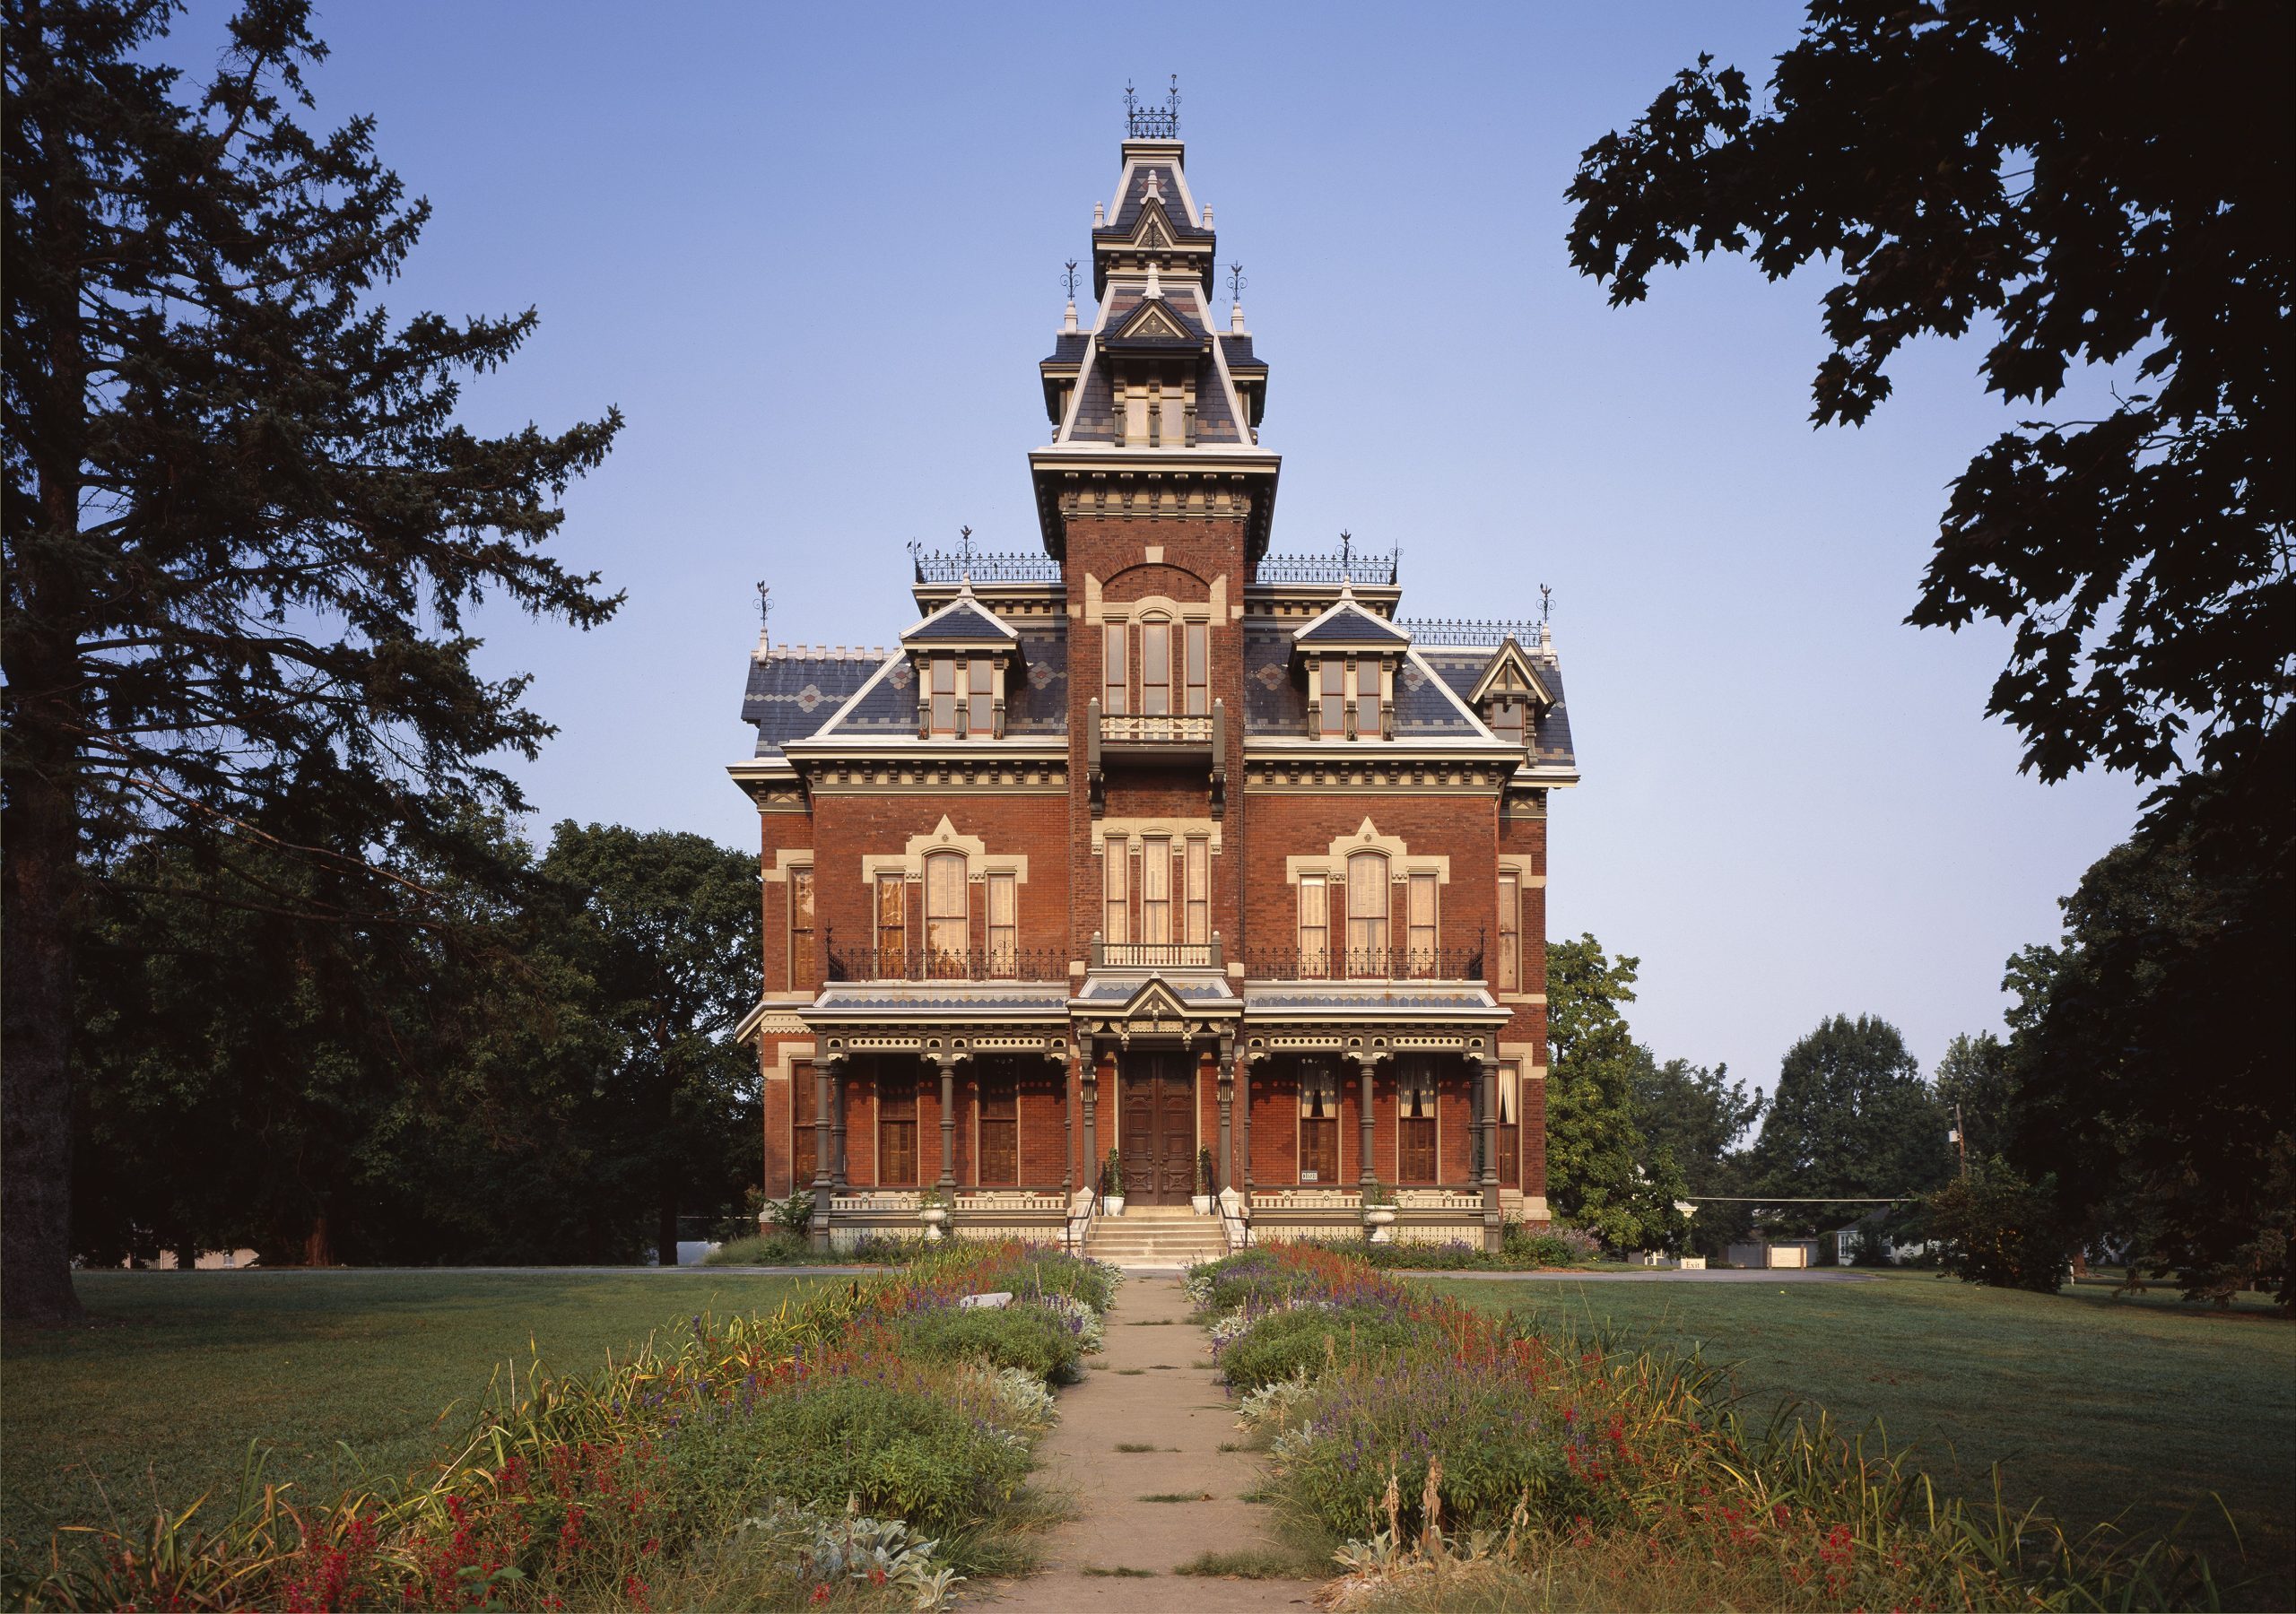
(1149,1390)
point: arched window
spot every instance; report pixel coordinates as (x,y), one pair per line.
(1367,913)
(948,921)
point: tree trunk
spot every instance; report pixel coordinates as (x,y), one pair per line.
(38,888)
(665,1222)
(318,1245)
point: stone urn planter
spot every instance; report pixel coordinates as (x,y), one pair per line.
(1201,1203)
(1380,1221)
(934,1218)
(1112,1204)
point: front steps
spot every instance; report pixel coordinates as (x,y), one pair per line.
(1154,1235)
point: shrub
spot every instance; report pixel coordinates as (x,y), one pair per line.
(1997,1229)
(1552,1246)
(892,1447)
(1309,1339)
(1035,1339)
(771,1249)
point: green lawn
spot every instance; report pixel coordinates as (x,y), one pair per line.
(180,1370)
(2095,1407)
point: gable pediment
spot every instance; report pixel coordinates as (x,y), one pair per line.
(1510,674)
(1152,321)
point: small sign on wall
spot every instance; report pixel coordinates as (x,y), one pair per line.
(1311,1176)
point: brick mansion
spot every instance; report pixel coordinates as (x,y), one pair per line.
(1157,846)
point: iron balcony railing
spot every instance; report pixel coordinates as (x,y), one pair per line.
(1372,570)
(912,963)
(1159,955)
(1450,630)
(941,566)
(1364,963)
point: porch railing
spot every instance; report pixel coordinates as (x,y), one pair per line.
(1364,963)
(912,963)
(1160,728)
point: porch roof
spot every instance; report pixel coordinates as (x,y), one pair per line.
(1399,1002)
(936,1003)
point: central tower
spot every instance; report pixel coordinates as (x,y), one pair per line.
(1155,497)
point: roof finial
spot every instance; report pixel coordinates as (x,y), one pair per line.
(1235,284)
(964,545)
(1546,601)
(764,617)
(1155,290)
(1068,320)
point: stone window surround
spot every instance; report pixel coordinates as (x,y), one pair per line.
(1400,864)
(979,862)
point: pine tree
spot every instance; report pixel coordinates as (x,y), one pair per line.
(243,528)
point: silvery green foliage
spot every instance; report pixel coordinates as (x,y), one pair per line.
(836,1548)
(1196,1280)
(1275,1403)
(1026,1408)
(1088,1325)
(1230,1324)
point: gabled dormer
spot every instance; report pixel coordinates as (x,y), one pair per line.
(1352,655)
(962,656)
(1510,693)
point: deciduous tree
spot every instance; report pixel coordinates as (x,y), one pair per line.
(1850,1118)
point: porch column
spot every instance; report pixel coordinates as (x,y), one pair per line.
(1088,1078)
(1364,1172)
(1068,1128)
(836,1126)
(1487,1125)
(1243,1081)
(1224,1074)
(948,1064)
(1475,1127)
(821,1153)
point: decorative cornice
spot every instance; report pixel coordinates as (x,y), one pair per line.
(875,776)
(1342,770)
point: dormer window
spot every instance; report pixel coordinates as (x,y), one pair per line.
(963,698)
(1507,719)
(1349,699)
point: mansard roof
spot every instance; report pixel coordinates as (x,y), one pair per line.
(1036,701)
(793,689)
(1551,750)
(1275,692)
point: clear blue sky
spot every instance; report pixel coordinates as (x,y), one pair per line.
(813,255)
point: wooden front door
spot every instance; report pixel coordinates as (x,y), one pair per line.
(1158,1128)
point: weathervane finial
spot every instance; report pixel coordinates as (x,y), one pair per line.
(1068,279)
(1546,599)
(1236,282)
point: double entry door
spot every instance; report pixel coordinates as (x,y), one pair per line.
(1156,1127)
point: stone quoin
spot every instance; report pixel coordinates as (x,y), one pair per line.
(1154,842)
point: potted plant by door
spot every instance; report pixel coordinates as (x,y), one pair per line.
(1112,1184)
(1378,1211)
(933,1210)
(1202,1198)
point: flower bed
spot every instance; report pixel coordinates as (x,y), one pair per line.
(838,1453)
(1454,1458)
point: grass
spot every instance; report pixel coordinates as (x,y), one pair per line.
(1179,1496)
(1095,1571)
(1134,1446)
(1259,1563)
(2137,1408)
(179,1371)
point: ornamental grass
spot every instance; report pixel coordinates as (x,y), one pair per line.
(1455,1460)
(800,1456)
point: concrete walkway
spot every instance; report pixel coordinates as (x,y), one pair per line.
(1146,1392)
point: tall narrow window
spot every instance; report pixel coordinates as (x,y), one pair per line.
(1318,1122)
(983,697)
(1199,669)
(1511,1129)
(1332,704)
(1116,925)
(1421,920)
(1315,927)
(1114,676)
(1366,698)
(1004,925)
(801,928)
(1367,914)
(1000,1124)
(896,1124)
(1155,668)
(1506,721)
(1415,1120)
(948,923)
(1199,892)
(1510,932)
(945,695)
(1156,889)
(892,926)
